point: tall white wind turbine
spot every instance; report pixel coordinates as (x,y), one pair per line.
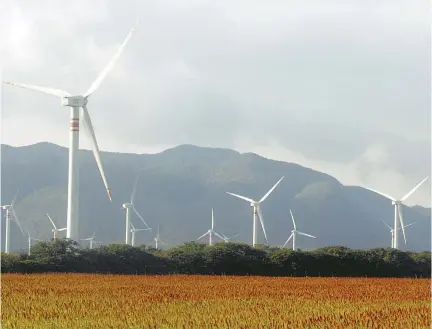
(55,229)
(257,212)
(392,231)
(29,239)
(79,112)
(10,210)
(130,206)
(294,233)
(398,211)
(134,230)
(211,231)
(226,239)
(157,239)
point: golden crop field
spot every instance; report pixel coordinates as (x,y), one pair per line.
(198,302)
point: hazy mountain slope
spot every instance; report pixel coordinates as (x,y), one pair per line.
(179,186)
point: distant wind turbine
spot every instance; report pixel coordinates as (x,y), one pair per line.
(130,205)
(157,239)
(226,239)
(78,111)
(392,231)
(10,209)
(134,230)
(294,233)
(55,229)
(211,231)
(257,212)
(29,239)
(398,210)
(91,240)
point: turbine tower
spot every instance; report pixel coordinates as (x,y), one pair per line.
(79,112)
(392,231)
(55,229)
(294,233)
(130,205)
(211,231)
(398,211)
(10,209)
(29,239)
(134,230)
(157,239)
(257,212)
(226,239)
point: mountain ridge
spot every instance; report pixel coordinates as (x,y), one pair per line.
(179,186)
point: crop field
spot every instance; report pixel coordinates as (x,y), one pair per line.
(194,302)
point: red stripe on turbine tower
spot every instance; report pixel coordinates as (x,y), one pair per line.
(74,124)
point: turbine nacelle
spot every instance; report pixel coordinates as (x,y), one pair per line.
(74,101)
(127,205)
(6,207)
(395,202)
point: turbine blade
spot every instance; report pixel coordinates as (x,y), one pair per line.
(212,219)
(271,190)
(132,225)
(401,221)
(410,224)
(162,242)
(311,236)
(387,225)
(134,189)
(14,199)
(241,197)
(292,217)
(381,193)
(288,240)
(218,235)
(45,90)
(95,85)
(88,127)
(262,222)
(62,229)
(415,188)
(140,217)
(15,216)
(52,222)
(233,236)
(202,236)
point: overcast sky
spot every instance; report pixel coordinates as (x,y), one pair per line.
(341,86)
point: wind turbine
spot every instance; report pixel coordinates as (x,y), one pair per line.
(91,240)
(398,211)
(157,239)
(78,111)
(392,231)
(211,231)
(29,239)
(134,230)
(294,233)
(10,208)
(130,205)
(226,239)
(55,229)
(257,211)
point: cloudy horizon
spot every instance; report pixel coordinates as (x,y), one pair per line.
(341,87)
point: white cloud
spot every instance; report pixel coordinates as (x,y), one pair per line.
(341,86)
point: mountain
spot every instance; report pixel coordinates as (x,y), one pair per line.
(178,188)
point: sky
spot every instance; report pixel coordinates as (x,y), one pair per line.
(340,86)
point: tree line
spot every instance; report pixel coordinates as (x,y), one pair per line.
(64,255)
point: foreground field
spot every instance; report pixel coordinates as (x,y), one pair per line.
(195,302)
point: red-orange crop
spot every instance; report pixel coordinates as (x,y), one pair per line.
(195,302)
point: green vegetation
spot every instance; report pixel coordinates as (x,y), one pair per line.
(63,255)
